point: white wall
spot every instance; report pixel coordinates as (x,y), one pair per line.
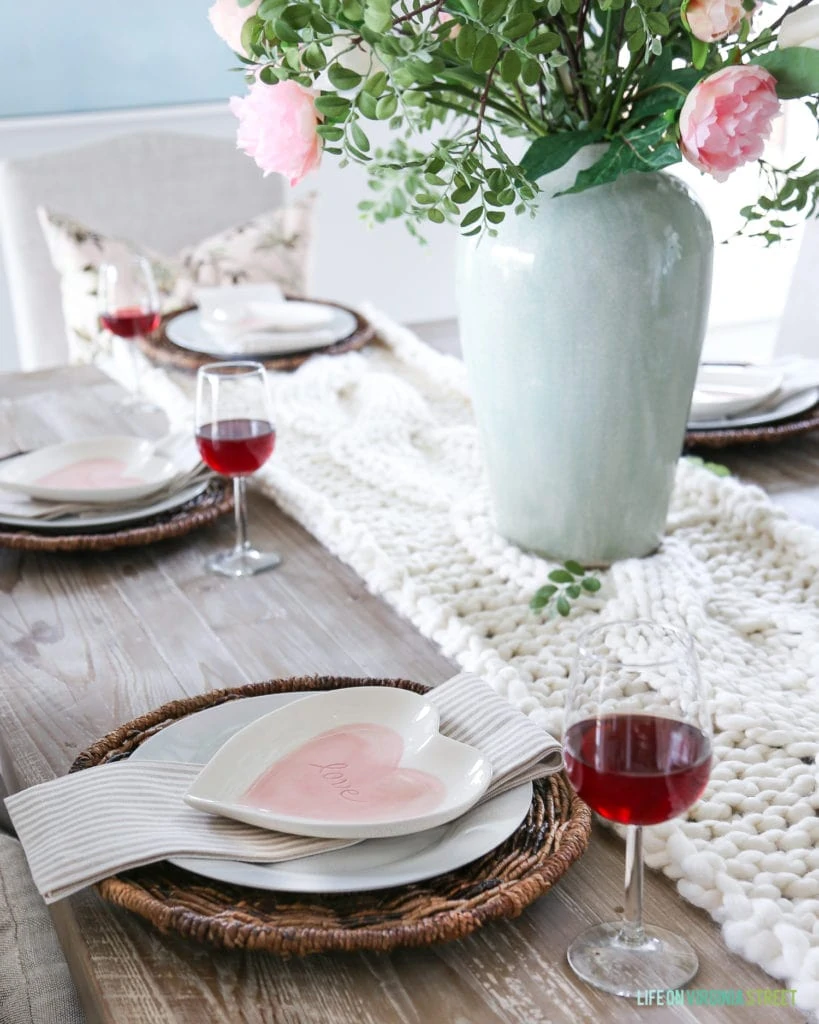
(385,265)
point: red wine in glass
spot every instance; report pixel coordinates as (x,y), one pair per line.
(130,322)
(236,447)
(637,769)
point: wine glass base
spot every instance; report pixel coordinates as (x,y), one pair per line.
(246,562)
(663,961)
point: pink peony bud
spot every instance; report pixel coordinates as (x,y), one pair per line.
(228,19)
(710,20)
(726,119)
(277,127)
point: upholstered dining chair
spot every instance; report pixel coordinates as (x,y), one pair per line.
(161,190)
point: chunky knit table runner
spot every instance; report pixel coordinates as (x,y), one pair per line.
(378,458)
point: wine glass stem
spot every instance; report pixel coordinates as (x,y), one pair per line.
(632,931)
(240,509)
(136,367)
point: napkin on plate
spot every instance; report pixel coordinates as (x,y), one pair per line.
(244,315)
(84,827)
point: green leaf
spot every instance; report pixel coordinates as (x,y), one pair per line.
(250,32)
(561,576)
(591,583)
(466,41)
(297,15)
(492,10)
(796,70)
(573,591)
(367,104)
(313,57)
(471,217)
(510,66)
(436,216)
(530,72)
(495,216)
(386,106)
(285,32)
(642,149)
(343,78)
(546,592)
(378,19)
(415,98)
(699,52)
(485,55)
(376,83)
(563,606)
(549,152)
(574,567)
(359,137)
(332,106)
(544,43)
(519,26)
(330,132)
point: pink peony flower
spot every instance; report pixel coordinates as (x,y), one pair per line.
(277,127)
(228,18)
(711,20)
(726,119)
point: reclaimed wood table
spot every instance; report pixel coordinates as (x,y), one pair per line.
(89,641)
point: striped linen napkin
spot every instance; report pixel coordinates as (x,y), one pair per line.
(84,827)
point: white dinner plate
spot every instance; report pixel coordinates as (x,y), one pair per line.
(105,520)
(789,407)
(723,390)
(371,864)
(106,469)
(187,332)
(363,762)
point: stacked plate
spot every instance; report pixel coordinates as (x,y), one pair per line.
(334,773)
(257,322)
(730,396)
(98,484)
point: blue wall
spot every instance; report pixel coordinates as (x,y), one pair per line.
(62,56)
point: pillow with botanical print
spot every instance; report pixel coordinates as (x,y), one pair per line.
(274,246)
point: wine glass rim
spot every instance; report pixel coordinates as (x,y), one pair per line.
(685,639)
(239,368)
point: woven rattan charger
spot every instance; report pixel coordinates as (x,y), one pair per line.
(200,511)
(161,350)
(500,884)
(768,433)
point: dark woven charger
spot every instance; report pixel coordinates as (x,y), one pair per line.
(500,884)
(764,432)
(161,350)
(202,510)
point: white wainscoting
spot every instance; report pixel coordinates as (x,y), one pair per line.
(411,282)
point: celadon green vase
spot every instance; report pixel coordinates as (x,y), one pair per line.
(581,328)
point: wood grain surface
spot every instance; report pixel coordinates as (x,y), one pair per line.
(88,641)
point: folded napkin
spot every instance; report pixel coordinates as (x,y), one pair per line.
(84,827)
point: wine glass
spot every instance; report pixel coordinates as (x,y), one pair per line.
(129,308)
(637,748)
(235,436)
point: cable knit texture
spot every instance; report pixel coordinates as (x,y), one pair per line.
(378,457)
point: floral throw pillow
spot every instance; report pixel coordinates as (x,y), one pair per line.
(274,246)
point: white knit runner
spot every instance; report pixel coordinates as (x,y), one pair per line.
(378,458)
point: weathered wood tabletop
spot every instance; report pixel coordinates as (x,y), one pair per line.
(87,642)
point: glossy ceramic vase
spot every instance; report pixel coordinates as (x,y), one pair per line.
(581,330)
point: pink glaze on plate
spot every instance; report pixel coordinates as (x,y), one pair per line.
(347,774)
(89,474)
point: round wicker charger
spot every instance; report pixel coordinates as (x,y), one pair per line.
(765,432)
(500,884)
(161,350)
(199,511)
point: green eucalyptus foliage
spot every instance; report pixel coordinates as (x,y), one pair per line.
(567,585)
(476,73)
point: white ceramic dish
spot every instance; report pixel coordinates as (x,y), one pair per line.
(104,521)
(372,864)
(792,406)
(723,390)
(188,332)
(360,763)
(99,469)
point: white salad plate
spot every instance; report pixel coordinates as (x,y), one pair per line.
(92,522)
(792,406)
(188,331)
(97,462)
(723,390)
(364,762)
(371,864)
